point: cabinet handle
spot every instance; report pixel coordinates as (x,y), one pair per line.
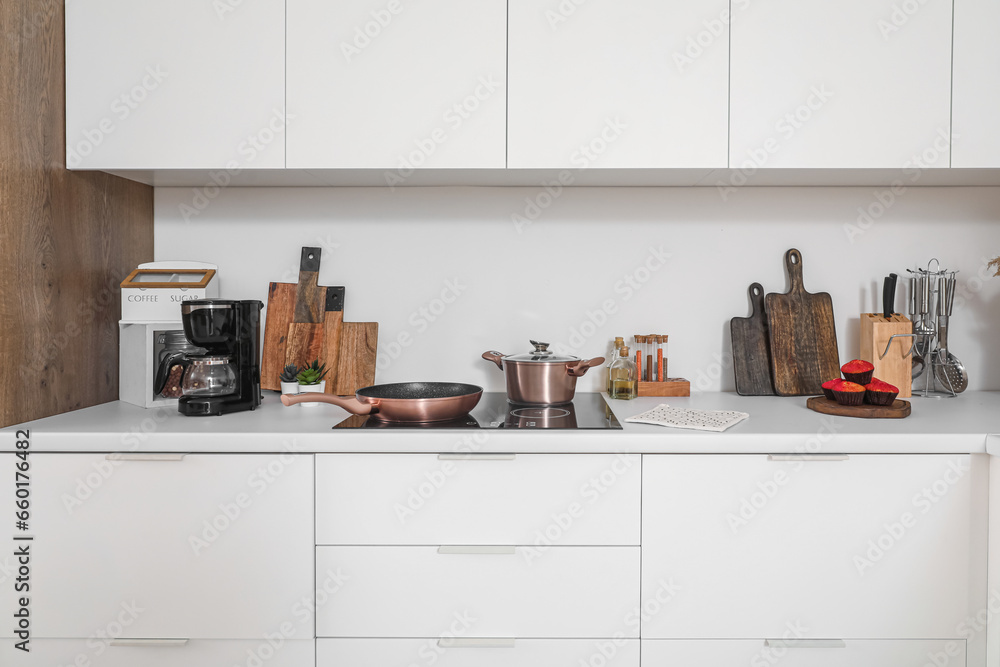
(808,457)
(477,457)
(144,457)
(476,549)
(805,643)
(149,642)
(476,642)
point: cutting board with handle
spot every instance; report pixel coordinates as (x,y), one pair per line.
(803,335)
(305,322)
(305,332)
(752,348)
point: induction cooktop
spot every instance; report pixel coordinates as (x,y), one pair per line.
(587,411)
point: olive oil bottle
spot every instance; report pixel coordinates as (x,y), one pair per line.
(623,377)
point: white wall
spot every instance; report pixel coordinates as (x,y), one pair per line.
(396,252)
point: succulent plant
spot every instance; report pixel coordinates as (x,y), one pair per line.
(290,373)
(312,374)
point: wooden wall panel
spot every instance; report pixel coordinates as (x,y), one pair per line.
(67,239)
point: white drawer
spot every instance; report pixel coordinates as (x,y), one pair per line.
(202,547)
(279,651)
(853,653)
(567,499)
(565,592)
(470,652)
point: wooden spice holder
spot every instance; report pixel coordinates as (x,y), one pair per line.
(669,387)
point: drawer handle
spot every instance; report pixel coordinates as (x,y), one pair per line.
(808,457)
(477,550)
(144,457)
(477,457)
(805,643)
(476,642)
(149,642)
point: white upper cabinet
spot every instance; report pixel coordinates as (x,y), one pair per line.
(175,84)
(397,85)
(841,84)
(976,141)
(630,83)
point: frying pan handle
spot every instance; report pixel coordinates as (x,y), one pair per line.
(793,264)
(580,368)
(352,405)
(495,357)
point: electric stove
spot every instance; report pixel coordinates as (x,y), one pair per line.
(587,411)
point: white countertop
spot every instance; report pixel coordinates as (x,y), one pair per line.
(776,425)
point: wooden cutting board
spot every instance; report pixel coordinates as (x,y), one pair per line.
(752,348)
(803,335)
(355,362)
(898,410)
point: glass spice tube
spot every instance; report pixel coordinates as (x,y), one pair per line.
(638,355)
(650,359)
(659,359)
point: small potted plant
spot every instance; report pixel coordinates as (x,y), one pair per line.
(289,379)
(311,380)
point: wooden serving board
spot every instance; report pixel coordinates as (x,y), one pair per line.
(280,313)
(898,410)
(752,348)
(803,335)
(355,362)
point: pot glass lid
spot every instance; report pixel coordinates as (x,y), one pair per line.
(542,354)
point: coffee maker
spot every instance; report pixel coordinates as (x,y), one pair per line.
(227,377)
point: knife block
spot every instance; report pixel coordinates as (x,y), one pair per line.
(894,367)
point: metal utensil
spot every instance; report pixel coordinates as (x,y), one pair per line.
(949,371)
(916,299)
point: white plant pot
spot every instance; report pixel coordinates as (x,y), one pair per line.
(290,388)
(312,389)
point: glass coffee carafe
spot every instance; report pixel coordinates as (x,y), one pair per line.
(209,376)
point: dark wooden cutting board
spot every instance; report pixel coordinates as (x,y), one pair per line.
(803,335)
(752,348)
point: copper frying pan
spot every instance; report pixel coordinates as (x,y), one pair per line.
(403,401)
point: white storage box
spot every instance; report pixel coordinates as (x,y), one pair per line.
(138,359)
(154,291)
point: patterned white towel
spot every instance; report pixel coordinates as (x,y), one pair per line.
(698,420)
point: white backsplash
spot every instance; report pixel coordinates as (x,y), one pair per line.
(449,273)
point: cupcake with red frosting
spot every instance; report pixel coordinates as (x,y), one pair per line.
(858,371)
(849,393)
(880,393)
(828,388)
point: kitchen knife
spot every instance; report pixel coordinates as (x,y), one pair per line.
(889,296)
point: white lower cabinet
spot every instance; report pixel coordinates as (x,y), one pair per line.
(475,652)
(788,653)
(559,592)
(567,499)
(274,652)
(150,546)
(873,547)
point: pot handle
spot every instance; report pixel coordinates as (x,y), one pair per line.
(495,357)
(352,405)
(580,368)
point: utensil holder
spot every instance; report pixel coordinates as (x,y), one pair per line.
(888,344)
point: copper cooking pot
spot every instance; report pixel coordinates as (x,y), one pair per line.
(541,377)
